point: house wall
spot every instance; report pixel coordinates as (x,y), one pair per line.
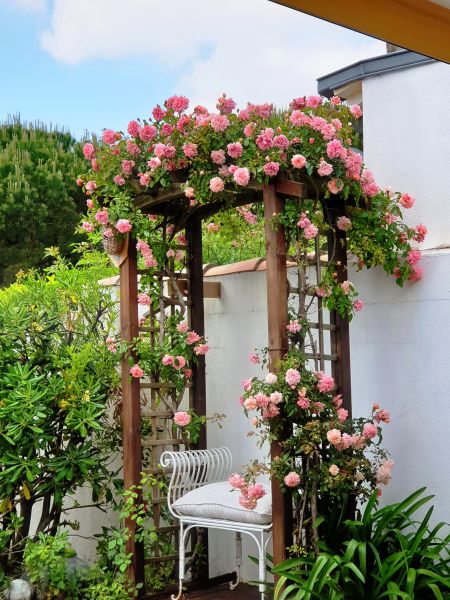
(407,141)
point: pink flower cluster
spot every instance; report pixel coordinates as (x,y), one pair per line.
(147,254)
(325,382)
(249,493)
(309,230)
(181,418)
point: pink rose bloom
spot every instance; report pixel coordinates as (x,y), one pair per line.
(234,150)
(201,349)
(179,362)
(127,166)
(262,400)
(335,149)
(87,227)
(123,225)
(313,101)
(192,337)
(344,223)
(189,192)
(358,305)
(416,274)
(249,129)
(108,233)
(337,401)
(218,157)
(182,327)
(249,217)
(334,437)
(421,232)
(136,371)
(181,418)
(325,382)
(241,176)
(346,287)
(265,139)
(247,384)
(216,184)
(299,118)
(236,481)
(303,401)
(89,203)
(133,128)
(390,218)
(303,221)
(147,133)
(177,103)
(324,169)
(335,100)
(79,182)
(90,187)
(281,141)
(382,415)
(144,178)
(190,150)
(406,201)
(337,124)
(356,111)
(414,256)
(276,397)
(342,414)
(254,358)
(370,430)
(119,180)
(187,373)
(271,378)
(256,491)
(144,299)
(294,326)
(297,103)
(271,169)
(89,151)
(213,227)
(310,232)
(318,407)
(101,216)
(167,360)
(328,132)
(383,474)
(109,136)
(292,479)
(219,122)
(133,148)
(333,470)
(225,105)
(292,377)
(158,113)
(298,161)
(250,403)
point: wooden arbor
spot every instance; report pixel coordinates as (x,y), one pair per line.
(153,402)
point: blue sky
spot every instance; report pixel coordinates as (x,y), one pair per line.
(90,64)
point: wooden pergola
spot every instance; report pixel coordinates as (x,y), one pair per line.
(142,400)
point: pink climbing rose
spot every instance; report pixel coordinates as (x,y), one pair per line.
(292,479)
(292,377)
(181,418)
(136,371)
(123,225)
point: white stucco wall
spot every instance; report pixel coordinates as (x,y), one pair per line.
(407,141)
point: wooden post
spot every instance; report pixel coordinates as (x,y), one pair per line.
(131,410)
(197,322)
(337,252)
(277,315)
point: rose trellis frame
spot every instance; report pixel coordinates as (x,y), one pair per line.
(148,404)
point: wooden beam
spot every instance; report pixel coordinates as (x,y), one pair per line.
(277,319)
(211,289)
(197,322)
(131,416)
(419,25)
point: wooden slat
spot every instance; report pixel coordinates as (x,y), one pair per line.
(211,289)
(287,187)
(165,442)
(320,356)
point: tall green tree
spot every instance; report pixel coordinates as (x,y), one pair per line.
(40,203)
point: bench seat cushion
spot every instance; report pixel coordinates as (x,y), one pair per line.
(219,501)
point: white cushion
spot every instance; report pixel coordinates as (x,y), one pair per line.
(219,501)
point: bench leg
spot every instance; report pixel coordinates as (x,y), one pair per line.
(181,561)
(262,566)
(233,585)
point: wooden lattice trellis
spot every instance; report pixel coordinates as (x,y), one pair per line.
(155,402)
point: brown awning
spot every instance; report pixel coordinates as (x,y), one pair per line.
(419,25)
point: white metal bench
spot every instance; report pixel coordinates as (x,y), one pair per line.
(200,496)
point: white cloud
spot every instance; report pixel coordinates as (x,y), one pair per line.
(252,49)
(38,6)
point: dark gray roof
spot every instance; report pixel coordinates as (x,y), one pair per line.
(392,61)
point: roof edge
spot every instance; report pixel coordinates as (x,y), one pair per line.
(368,67)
